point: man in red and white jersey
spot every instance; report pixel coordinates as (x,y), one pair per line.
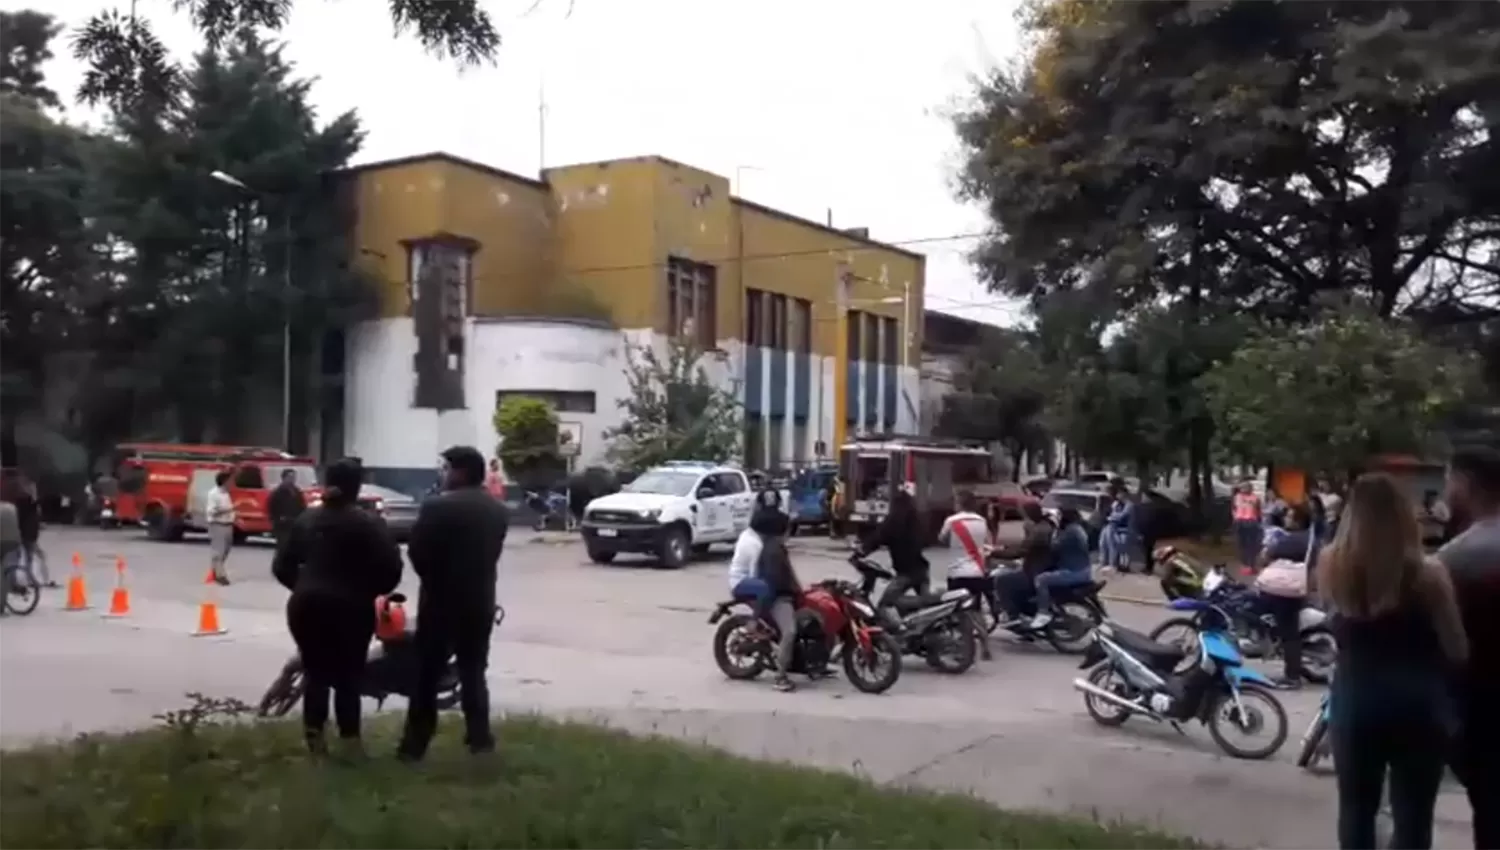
(967,536)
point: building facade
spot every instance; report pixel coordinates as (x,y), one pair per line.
(492,284)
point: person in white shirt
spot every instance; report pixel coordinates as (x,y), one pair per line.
(219,511)
(746,583)
(967,536)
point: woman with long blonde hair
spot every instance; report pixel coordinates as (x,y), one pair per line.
(1400,641)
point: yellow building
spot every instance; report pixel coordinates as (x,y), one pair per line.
(494,283)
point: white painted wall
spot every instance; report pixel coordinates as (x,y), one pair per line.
(382,427)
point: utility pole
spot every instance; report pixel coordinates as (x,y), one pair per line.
(286,300)
(840,358)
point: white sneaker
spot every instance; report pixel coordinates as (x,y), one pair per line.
(1040,621)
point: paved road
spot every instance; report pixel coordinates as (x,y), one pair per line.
(627,645)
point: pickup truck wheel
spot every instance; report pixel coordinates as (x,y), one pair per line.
(675,547)
(601,556)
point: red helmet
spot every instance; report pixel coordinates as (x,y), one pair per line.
(390,617)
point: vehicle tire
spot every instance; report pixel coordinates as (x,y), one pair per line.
(1072,623)
(1309,756)
(284,692)
(22,591)
(675,548)
(539,524)
(701,550)
(1272,712)
(1319,642)
(155,521)
(1104,713)
(240,537)
(729,629)
(884,648)
(963,653)
(601,556)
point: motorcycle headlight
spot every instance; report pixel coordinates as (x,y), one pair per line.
(651,513)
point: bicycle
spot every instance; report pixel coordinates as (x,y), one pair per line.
(19,582)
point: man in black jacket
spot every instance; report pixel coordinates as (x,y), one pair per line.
(286,503)
(455,548)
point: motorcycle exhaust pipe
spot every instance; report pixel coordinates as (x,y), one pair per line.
(1113,699)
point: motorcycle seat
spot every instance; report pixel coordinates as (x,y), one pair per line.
(1142,645)
(912,602)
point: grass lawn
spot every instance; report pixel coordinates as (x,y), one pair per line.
(201,783)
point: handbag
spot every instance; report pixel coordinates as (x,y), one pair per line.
(1285,577)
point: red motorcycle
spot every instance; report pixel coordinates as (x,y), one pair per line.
(833,617)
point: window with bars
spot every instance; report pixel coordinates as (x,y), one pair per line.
(562,401)
(776,331)
(692,301)
(755,317)
(800,330)
(853,330)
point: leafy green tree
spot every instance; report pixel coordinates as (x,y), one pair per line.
(530,442)
(128,65)
(673,410)
(1307,148)
(1327,395)
(44,243)
(204,267)
(999,397)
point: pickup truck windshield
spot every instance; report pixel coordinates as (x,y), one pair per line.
(663,483)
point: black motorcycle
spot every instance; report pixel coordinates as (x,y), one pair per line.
(1076,612)
(390,670)
(939,628)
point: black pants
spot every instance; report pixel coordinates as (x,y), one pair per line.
(1287,612)
(1016,592)
(333,638)
(1477,764)
(914,581)
(1379,729)
(465,637)
(982,587)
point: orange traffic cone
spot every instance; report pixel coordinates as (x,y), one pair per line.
(119,601)
(78,597)
(208,611)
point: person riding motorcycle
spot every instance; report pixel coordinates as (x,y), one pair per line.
(1015,588)
(900,533)
(760,572)
(967,536)
(1071,564)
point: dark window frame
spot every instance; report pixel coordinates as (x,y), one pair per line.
(800,325)
(692,294)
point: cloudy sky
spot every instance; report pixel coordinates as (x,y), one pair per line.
(817,107)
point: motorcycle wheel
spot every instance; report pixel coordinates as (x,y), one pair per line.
(1105,713)
(1072,624)
(956,648)
(1310,754)
(862,675)
(1320,652)
(1271,711)
(285,691)
(735,628)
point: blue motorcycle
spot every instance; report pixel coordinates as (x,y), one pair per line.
(1208,682)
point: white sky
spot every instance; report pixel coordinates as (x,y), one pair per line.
(806,105)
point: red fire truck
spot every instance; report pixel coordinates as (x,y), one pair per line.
(159,484)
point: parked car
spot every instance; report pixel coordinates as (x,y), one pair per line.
(397,509)
(1092,505)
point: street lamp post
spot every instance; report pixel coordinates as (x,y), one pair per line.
(286,319)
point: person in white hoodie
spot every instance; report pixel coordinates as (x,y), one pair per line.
(967,536)
(747,583)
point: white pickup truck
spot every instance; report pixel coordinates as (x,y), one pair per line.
(672,512)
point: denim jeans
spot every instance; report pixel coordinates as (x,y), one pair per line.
(1114,547)
(1046,583)
(757,593)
